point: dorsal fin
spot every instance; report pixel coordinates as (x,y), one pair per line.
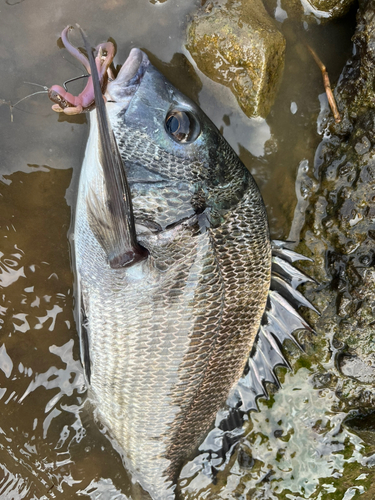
(279,322)
(113,226)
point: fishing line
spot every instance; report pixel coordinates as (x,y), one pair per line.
(73,80)
(38,85)
(30,95)
(12,106)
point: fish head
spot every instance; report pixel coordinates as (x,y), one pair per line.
(177,163)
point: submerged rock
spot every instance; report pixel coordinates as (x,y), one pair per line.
(340,229)
(237,44)
(308,10)
(327,8)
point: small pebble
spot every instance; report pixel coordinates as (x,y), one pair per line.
(293,108)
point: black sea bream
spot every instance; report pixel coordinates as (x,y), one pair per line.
(174,279)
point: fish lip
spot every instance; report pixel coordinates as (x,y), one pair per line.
(129,78)
(132,65)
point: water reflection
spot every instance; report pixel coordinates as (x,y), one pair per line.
(296,447)
(47,436)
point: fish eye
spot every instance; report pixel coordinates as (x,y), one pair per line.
(182,126)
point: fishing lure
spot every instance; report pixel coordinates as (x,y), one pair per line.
(67,103)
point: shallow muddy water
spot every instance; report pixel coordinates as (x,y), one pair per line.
(50,445)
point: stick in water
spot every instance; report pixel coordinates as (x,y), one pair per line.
(327,85)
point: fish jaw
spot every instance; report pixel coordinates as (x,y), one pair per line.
(125,85)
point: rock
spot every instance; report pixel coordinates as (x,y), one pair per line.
(359,369)
(364,426)
(358,79)
(326,9)
(237,44)
(308,10)
(339,224)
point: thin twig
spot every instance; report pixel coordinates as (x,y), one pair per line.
(327,85)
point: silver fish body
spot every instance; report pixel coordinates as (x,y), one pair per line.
(165,340)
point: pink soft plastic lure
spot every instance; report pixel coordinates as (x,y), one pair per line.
(73,105)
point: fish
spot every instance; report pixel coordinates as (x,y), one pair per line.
(178,281)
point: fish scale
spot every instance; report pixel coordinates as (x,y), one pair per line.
(235,336)
(135,382)
(139,390)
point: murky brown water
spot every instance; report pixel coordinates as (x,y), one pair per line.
(50,445)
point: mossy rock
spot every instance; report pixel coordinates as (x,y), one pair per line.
(238,45)
(339,225)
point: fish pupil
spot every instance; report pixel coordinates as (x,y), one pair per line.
(173,125)
(180,126)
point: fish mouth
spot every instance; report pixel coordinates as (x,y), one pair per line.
(125,85)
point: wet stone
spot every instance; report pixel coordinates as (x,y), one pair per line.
(363,146)
(339,225)
(328,9)
(364,426)
(237,44)
(322,380)
(245,459)
(358,368)
(310,11)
